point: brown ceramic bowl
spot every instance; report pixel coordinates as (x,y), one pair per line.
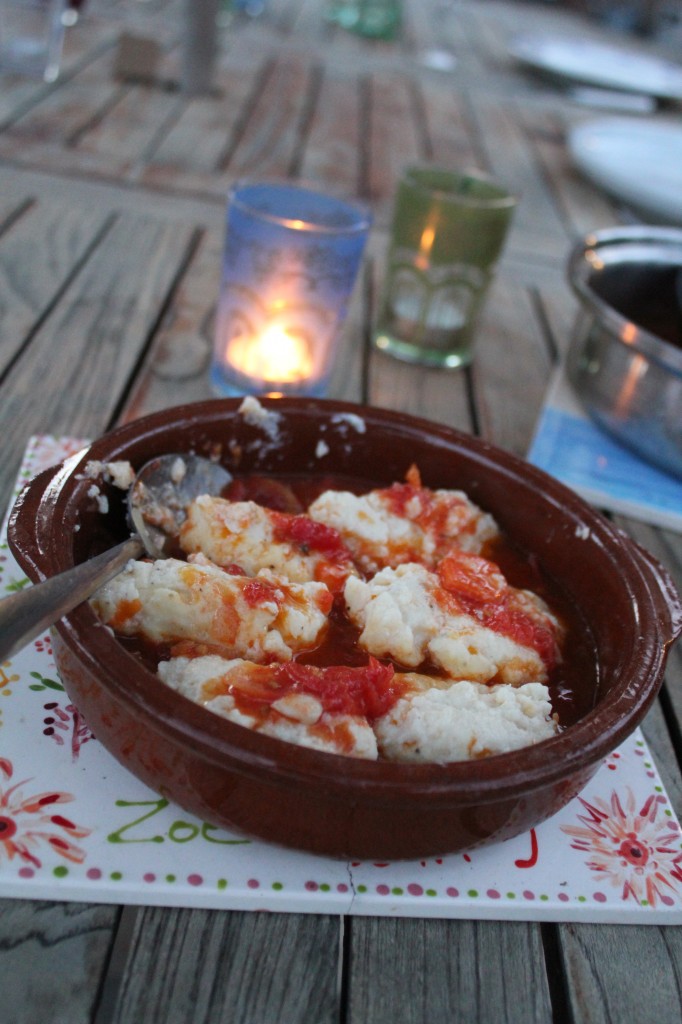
(321,802)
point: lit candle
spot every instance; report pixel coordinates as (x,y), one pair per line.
(290,260)
(275,356)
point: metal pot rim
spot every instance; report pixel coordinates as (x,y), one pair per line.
(625,331)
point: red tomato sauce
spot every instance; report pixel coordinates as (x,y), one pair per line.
(309,535)
(369,690)
(478,588)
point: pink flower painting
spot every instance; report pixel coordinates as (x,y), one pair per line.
(60,722)
(636,849)
(30,823)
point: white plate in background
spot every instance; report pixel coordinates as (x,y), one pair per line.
(612,67)
(639,162)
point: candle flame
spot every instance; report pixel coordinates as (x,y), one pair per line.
(274,356)
(426,245)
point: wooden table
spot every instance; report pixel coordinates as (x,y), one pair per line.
(111,225)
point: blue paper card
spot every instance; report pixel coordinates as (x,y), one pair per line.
(571,447)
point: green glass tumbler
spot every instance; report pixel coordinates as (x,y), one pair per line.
(448,232)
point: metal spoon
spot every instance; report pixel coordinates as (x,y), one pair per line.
(157,500)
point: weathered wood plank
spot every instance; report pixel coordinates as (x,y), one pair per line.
(245,968)
(437,972)
(131,127)
(537,227)
(12,207)
(618,974)
(40,251)
(205,131)
(93,40)
(511,366)
(666,547)
(109,196)
(88,102)
(451,140)
(437,395)
(583,206)
(76,370)
(394,139)
(66,111)
(176,369)
(483,48)
(19,93)
(560,308)
(52,956)
(268,146)
(333,147)
(55,159)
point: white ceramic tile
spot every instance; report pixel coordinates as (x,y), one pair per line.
(75,825)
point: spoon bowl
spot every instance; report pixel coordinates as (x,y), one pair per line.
(157,499)
(161,492)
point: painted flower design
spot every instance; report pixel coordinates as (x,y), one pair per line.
(60,721)
(637,849)
(28,823)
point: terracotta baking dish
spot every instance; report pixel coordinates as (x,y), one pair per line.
(326,803)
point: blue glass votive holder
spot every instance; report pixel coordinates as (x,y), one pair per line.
(290,262)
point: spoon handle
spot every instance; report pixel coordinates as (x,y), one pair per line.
(26,614)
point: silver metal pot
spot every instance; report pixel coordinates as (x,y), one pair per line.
(625,357)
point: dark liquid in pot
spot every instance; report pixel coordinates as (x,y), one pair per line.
(648,294)
(572,683)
